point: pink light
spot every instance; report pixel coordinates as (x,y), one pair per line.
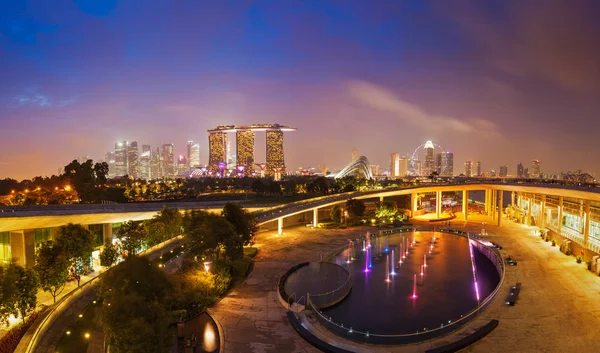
(424,260)
(387,269)
(474,270)
(421,270)
(393,273)
(414,295)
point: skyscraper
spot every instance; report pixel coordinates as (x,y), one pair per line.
(132,159)
(355,154)
(468,169)
(438,163)
(478,169)
(535,169)
(403,166)
(168,162)
(193,154)
(109,158)
(217,148)
(145,171)
(429,166)
(275,158)
(503,171)
(156,164)
(183,166)
(244,140)
(520,171)
(395,164)
(374,169)
(447,164)
(120,158)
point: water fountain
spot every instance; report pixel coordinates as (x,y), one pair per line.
(367,257)
(364,246)
(349,252)
(406,246)
(393,273)
(414,295)
(424,260)
(387,244)
(387,269)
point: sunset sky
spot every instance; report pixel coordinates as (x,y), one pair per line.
(497,81)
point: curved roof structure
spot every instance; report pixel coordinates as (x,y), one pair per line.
(360,166)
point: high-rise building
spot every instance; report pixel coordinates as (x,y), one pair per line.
(109,158)
(244,140)
(132,159)
(355,154)
(468,169)
(145,170)
(429,166)
(183,166)
(275,158)
(503,171)
(418,167)
(403,166)
(120,158)
(493,173)
(478,169)
(444,163)
(324,169)
(395,164)
(156,166)
(374,169)
(520,171)
(193,154)
(217,149)
(168,160)
(535,169)
(526,173)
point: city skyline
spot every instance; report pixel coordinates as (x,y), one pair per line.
(85,75)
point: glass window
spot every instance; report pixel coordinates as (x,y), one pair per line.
(42,235)
(5,257)
(572,221)
(594,230)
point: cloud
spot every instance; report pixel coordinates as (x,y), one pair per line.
(379,98)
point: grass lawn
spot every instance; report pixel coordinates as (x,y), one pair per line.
(74,340)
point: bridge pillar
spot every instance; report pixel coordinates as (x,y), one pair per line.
(107,233)
(316,217)
(586,225)
(465,204)
(17,247)
(529,203)
(543,211)
(280,226)
(380,198)
(560,213)
(413,204)
(500,208)
(493,203)
(438,204)
(512,199)
(486,203)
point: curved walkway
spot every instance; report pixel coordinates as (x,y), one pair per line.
(557,311)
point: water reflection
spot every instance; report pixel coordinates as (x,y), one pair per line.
(209,343)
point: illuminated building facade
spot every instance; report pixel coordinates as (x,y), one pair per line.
(477,168)
(244,140)
(168,161)
(503,171)
(403,166)
(217,151)
(520,171)
(132,159)
(109,158)
(193,154)
(145,171)
(468,169)
(275,159)
(156,164)
(535,169)
(394,164)
(120,158)
(429,166)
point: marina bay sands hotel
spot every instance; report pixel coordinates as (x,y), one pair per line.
(244,138)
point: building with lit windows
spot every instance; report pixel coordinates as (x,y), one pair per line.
(275,157)
(132,159)
(444,163)
(394,164)
(244,140)
(182,167)
(193,154)
(468,169)
(109,158)
(403,166)
(168,161)
(217,146)
(120,158)
(156,164)
(535,169)
(145,170)
(429,165)
(520,171)
(503,172)
(478,169)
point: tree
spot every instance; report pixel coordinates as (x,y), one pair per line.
(274,187)
(165,225)
(336,213)
(78,244)
(8,293)
(27,285)
(109,255)
(135,307)
(133,236)
(101,171)
(319,185)
(52,268)
(82,178)
(210,233)
(386,208)
(258,187)
(356,208)
(244,222)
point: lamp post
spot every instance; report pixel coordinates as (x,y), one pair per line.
(207,267)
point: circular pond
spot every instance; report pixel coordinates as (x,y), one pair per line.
(407,297)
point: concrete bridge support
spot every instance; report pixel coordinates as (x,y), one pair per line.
(586,220)
(315,217)
(465,204)
(500,208)
(280,226)
(438,204)
(107,233)
(414,199)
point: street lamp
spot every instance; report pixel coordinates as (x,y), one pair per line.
(207,266)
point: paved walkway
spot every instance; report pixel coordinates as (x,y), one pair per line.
(558,309)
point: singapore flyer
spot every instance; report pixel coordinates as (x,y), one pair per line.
(426,159)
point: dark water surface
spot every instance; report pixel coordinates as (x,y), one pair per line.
(446,292)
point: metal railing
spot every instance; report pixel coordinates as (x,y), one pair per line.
(417,336)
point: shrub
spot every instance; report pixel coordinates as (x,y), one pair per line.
(579,259)
(10,341)
(589,265)
(553,242)
(568,251)
(547,238)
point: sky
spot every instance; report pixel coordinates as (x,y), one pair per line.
(500,82)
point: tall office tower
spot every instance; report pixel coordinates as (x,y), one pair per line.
(120,158)
(244,140)
(145,170)
(324,169)
(395,164)
(438,163)
(492,173)
(526,173)
(374,169)
(403,166)
(418,167)
(503,171)
(447,164)
(156,164)
(478,169)
(520,171)
(231,160)
(535,169)
(275,158)
(182,167)
(132,159)
(468,169)
(193,154)
(355,154)
(217,149)
(429,166)
(110,160)
(168,161)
